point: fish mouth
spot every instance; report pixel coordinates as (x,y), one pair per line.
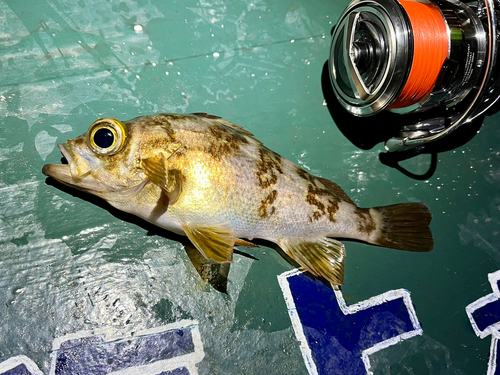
(78,174)
(63,172)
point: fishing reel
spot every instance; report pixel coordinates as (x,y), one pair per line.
(431,62)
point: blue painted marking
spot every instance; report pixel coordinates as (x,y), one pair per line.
(487,315)
(338,339)
(174,349)
(484,315)
(95,356)
(19,370)
(178,371)
(168,352)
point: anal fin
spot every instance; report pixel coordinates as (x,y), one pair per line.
(323,256)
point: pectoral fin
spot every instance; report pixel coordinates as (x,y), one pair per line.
(169,180)
(210,271)
(323,257)
(214,242)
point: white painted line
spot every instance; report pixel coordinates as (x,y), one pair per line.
(296,323)
(13,362)
(493,279)
(492,363)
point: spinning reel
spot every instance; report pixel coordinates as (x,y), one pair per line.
(432,62)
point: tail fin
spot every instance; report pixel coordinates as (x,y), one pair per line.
(404,226)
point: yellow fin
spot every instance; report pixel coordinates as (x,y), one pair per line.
(210,271)
(323,257)
(214,242)
(169,180)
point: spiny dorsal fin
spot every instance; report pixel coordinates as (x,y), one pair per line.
(228,124)
(323,256)
(170,181)
(336,189)
(214,242)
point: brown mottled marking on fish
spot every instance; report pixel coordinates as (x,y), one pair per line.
(303,174)
(332,208)
(329,209)
(313,192)
(312,198)
(268,168)
(366,224)
(269,200)
(224,141)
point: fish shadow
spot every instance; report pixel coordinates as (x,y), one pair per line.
(219,282)
(150,228)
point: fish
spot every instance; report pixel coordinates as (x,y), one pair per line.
(205,178)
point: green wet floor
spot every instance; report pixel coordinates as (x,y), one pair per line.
(68,265)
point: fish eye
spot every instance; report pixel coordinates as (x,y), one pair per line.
(106,136)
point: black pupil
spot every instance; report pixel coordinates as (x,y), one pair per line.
(104,138)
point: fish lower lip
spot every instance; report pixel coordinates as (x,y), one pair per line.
(59,172)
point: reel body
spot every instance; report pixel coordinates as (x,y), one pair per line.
(432,62)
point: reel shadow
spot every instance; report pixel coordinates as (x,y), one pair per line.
(366,132)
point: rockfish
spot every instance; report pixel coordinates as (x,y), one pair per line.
(212,181)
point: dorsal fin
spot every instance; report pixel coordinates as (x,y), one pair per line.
(336,189)
(225,123)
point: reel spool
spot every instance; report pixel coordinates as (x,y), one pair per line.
(411,57)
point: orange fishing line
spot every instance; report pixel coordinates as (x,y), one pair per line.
(430,49)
